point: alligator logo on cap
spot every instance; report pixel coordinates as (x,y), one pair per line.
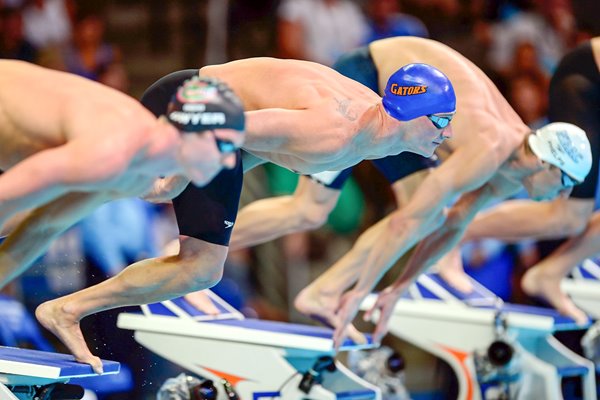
(195,90)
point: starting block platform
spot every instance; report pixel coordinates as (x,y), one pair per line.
(260,359)
(464,330)
(23,372)
(584,287)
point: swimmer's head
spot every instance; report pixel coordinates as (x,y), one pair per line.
(205,104)
(208,107)
(565,146)
(417,90)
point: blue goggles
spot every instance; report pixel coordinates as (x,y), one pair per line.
(566,180)
(440,121)
(224,146)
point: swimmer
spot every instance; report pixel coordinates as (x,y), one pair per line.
(575,98)
(492,154)
(72,144)
(70,134)
(300,115)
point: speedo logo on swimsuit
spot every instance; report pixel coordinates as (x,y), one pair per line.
(195,118)
(407,90)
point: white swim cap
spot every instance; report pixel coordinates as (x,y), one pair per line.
(565,146)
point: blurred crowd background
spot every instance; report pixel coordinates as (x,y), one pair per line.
(128,44)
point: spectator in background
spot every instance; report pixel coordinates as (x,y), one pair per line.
(13,44)
(89,55)
(47,23)
(319,30)
(528,97)
(548,25)
(386,20)
(525,61)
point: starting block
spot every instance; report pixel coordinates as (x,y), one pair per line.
(485,340)
(259,359)
(33,374)
(584,287)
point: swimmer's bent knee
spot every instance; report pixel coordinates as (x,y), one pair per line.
(201,275)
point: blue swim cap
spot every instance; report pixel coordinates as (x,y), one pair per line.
(416,90)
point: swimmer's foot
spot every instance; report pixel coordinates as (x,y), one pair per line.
(321,308)
(458,279)
(202,302)
(537,283)
(66,327)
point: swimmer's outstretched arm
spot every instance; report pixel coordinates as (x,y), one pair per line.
(81,165)
(12,223)
(437,245)
(515,220)
(344,273)
(268,219)
(467,169)
(33,236)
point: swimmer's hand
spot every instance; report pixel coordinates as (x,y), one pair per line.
(384,306)
(165,189)
(347,309)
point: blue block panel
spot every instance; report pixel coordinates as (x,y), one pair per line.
(284,327)
(575,370)
(193,311)
(64,362)
(561,323)
(476,296)
(365,394)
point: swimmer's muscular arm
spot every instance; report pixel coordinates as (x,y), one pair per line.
(466,169)
(79,165)
(268,219)
(437,244)
(515,220)
(32,237)
(296,132)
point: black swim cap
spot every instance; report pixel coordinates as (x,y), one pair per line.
(203,103)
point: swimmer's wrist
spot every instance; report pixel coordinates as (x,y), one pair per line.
(399,286)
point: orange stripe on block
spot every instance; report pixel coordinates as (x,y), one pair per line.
(461,356)
(233,379)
